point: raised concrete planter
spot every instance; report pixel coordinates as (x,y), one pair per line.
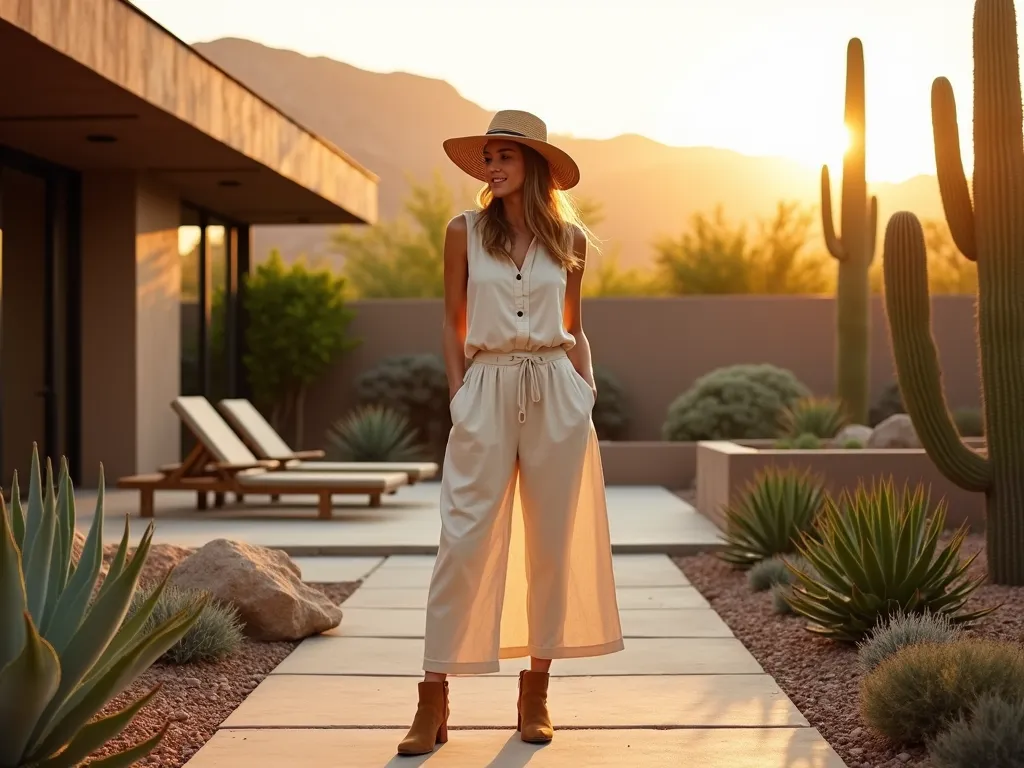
(655,462)
(724,469)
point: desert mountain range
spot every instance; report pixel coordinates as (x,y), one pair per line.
(394,124)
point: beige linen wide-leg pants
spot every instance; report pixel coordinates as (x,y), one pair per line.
(524,561)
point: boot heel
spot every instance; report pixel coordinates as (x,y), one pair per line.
(442,734)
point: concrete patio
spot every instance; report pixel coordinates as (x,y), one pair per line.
(683,692)
(643,519)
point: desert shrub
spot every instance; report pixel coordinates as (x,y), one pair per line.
(767,573)
(852,444)
(780,599)
(373,433)
(970,422)
(772,512)
(915,693)
(216,635)
(993,736)
(415,386)
(876,553)
(903,629)
(889,403)
(611,413)
(820,417)
(733,403)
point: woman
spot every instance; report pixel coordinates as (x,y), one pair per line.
(524,561)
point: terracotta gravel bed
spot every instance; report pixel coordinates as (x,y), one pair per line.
(821,676)
(196,698)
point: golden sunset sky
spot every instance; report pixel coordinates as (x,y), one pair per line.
(760,77)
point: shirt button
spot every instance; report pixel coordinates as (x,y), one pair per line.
(519,277)
(520,314)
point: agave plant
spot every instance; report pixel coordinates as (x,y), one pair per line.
(64,651)
(374,433)
(822,417)
(775,508)
(876,554)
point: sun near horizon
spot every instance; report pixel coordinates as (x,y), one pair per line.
(735,74)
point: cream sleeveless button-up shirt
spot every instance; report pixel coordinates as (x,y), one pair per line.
(512,310)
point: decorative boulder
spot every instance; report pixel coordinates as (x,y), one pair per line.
(857,432)
(264,585)
(897,431)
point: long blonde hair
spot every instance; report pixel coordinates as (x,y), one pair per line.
(551,216)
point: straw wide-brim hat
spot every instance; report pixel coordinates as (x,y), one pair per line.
(467,152)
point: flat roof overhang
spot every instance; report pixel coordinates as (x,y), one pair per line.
(77,73)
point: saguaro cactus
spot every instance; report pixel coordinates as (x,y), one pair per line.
(854,250)
(989,231)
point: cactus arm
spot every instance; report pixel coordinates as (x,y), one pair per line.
(832,241)
(907,304)
(956,197)
(872,228)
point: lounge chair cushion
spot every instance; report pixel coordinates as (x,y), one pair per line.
(319,481)
(418,470)
(210,428)
(250,422)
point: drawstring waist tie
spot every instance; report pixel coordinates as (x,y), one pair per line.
(527,362)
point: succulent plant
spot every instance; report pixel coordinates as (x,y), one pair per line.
(854,250)
(821,417)
(65,651)
(772,512)
(415,386)
(852,444)
(876,553)
(989,231)
(373,433)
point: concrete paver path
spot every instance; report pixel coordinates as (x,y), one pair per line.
(685,692)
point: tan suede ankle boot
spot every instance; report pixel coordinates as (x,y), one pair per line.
(430,726)
(534,721)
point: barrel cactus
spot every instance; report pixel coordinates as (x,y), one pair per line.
(854,250)
(990,231)
(65,649)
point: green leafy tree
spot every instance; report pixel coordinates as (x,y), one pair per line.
(719,257)
(297,329)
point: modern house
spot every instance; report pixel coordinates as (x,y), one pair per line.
(131,172)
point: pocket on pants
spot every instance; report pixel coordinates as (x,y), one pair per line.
(460,394)
(585,389)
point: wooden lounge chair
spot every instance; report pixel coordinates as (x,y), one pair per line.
(266,443)
(221,463)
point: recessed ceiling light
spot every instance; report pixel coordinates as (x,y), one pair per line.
(101,138)
(229,183)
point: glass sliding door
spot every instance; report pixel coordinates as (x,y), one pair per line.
(210,345)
